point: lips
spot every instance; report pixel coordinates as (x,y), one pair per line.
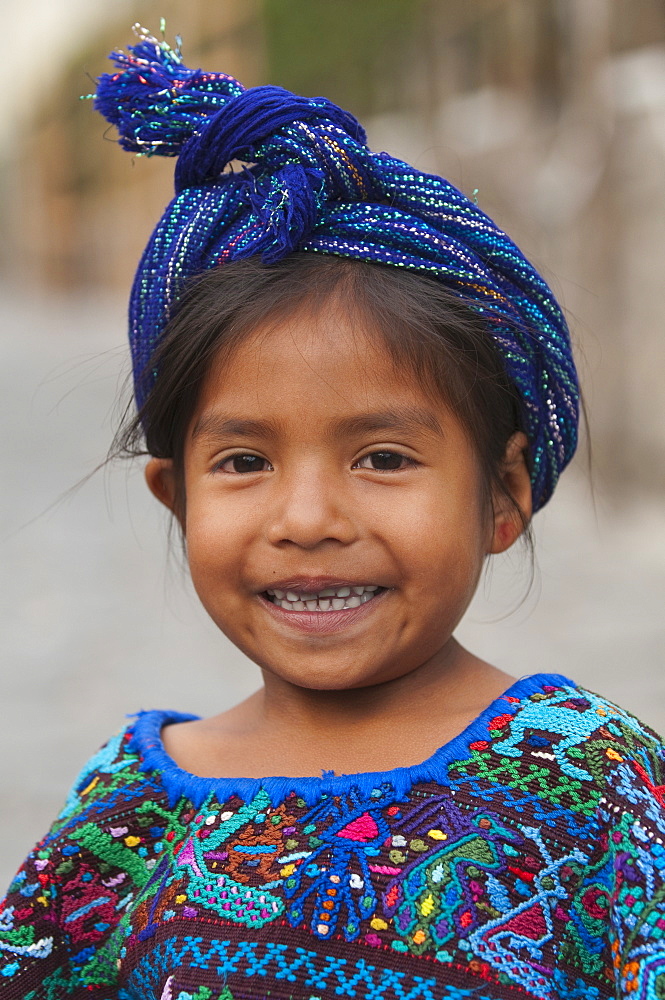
(325,610)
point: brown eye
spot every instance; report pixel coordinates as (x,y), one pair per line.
(384,461)
(244,463)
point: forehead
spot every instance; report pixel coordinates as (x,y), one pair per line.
(328,359)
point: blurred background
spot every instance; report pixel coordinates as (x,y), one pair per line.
(553,110)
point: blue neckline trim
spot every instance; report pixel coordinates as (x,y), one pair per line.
(146,741)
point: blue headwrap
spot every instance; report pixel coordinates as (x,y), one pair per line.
(314,185)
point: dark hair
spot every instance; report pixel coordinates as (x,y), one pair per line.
(429,332)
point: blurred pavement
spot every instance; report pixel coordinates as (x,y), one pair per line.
(97,620)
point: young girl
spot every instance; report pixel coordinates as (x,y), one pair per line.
(353,388)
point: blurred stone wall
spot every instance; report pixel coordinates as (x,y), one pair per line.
(554,110)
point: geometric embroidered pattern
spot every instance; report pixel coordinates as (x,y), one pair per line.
(525,858)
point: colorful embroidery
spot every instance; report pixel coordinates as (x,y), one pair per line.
(525,859)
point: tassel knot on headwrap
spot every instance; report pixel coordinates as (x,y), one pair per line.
(310,183)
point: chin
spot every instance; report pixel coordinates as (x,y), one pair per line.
(336,678)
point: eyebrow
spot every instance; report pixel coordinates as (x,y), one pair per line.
(216,425)
(400,418)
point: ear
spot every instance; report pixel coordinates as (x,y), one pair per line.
(508,525)
(160,477)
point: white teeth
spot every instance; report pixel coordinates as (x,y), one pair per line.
(332,598)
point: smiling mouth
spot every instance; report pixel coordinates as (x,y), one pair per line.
(330,599)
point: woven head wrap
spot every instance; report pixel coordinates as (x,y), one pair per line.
(315,186)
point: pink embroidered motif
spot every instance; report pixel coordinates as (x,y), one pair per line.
(362,828)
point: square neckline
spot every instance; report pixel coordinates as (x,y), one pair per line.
(146,741)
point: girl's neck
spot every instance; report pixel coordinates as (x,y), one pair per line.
(453,682)
(294,731)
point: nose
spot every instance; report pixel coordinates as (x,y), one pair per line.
(310,507)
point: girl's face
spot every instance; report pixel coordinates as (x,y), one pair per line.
(334,520)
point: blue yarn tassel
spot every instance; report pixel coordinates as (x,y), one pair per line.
(155,101)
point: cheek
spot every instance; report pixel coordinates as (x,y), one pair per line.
(443,543)
(442,517)
(214,546)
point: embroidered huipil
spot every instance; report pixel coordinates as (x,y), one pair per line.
(526,858)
